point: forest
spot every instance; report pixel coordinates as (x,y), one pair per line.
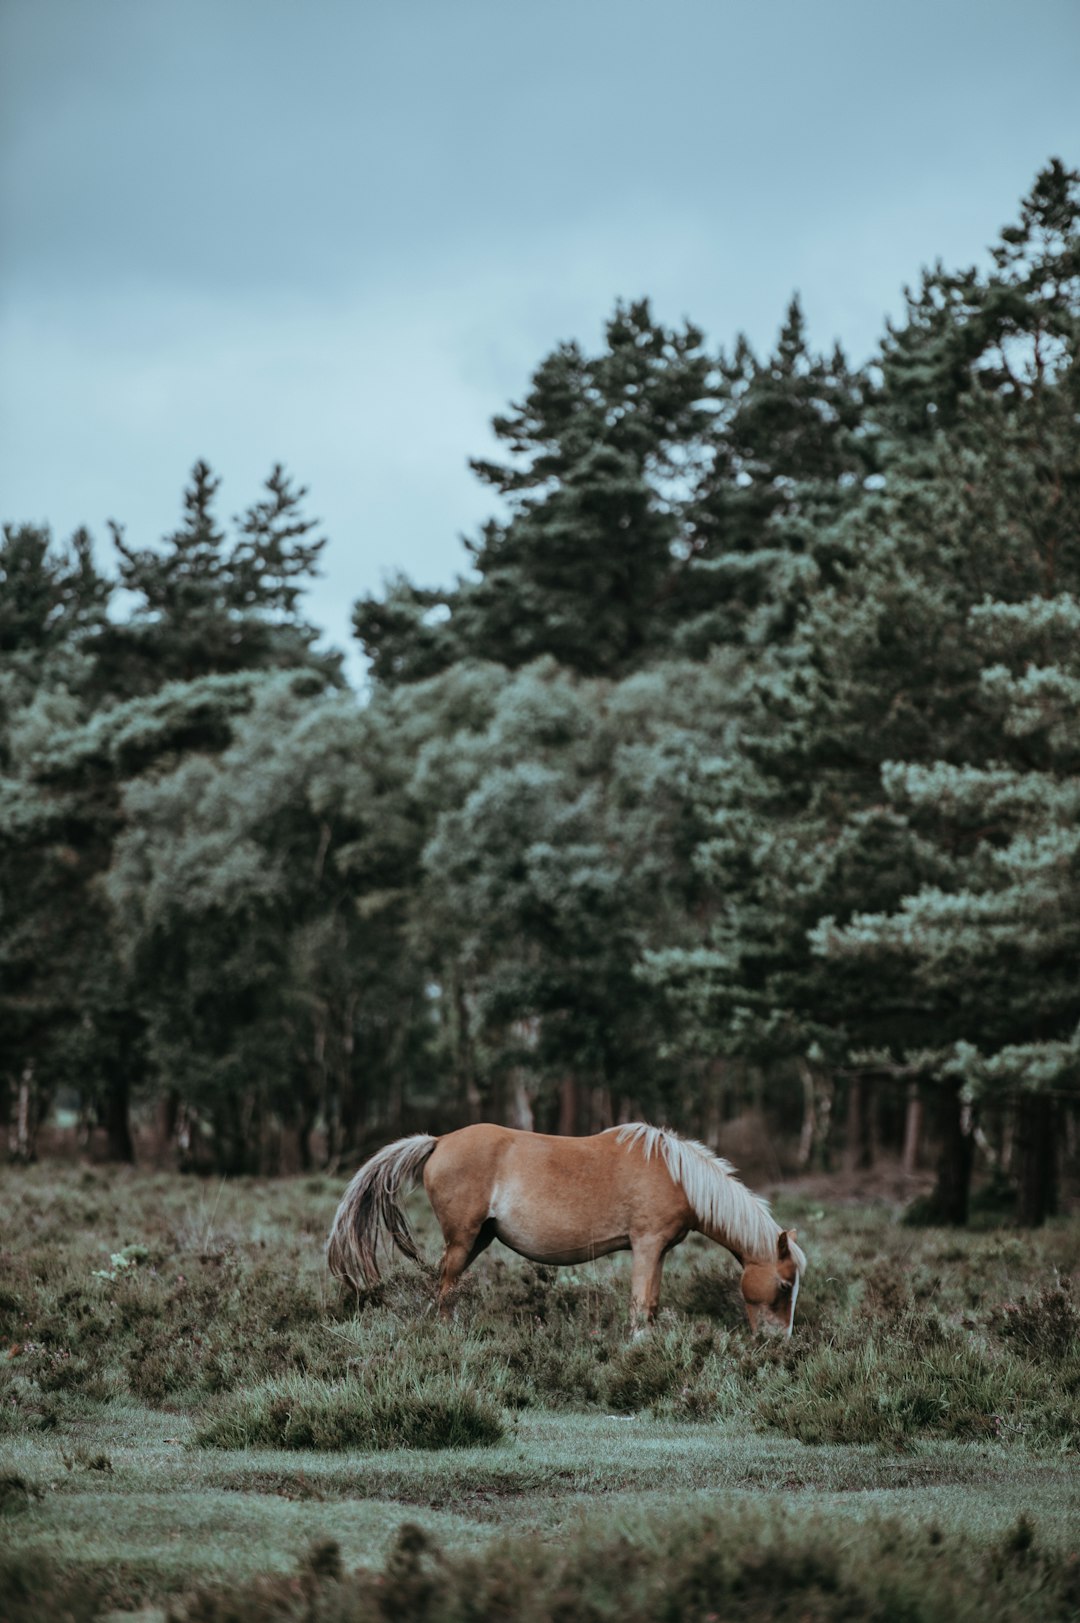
(738,771)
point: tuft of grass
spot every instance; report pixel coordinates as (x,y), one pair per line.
(936,1382)
(16,1492)
(391,1411)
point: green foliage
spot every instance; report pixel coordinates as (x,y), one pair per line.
(737,1561)
(89,703)
(32,1588)
(257,894)
(121,1261)
(895,844)
(745,756)
(49,597)
(204,603)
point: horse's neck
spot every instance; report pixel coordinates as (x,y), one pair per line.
(722,1206)
(722,1239)
(761,1248)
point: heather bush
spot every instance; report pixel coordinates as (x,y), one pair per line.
(736,1563)
(384,1410)
(1046,1327)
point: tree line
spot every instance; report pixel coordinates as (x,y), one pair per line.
(741,767)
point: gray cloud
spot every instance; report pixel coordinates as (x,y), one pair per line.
(342,234)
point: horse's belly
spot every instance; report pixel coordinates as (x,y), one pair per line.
(554,1248)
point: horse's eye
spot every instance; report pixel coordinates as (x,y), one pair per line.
(785,1284)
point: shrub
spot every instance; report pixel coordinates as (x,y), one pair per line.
(389,1411)
(930,1382)
(16,1493)
(243,1302)
(1048,1327)
(33,1589)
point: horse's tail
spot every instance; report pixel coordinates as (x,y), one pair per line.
(369,1208)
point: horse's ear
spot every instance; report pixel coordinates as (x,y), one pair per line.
(783,1245)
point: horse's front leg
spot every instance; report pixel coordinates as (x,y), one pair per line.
(648,1254)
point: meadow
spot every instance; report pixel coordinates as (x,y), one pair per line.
(196,1424)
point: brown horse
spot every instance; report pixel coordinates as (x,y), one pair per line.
(567,1200)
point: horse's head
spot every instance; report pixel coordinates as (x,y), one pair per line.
(770,1288)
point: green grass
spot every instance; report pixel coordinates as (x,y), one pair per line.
(216,1426)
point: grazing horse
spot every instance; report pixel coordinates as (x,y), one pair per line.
(567,1200)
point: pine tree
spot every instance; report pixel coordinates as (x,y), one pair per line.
(601,452)
(406,632)
(92,702)
(789,449)
(994,799)
(48,597)
(886,664)
(205,603)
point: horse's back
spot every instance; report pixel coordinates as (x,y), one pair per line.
(485,1149)
(500,1172)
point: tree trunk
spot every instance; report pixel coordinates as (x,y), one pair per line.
(339,1084)
(859,1149)
(1071,1135)
(712,1090)
(118,1143)
(913,1122)
(816,1132)
(86,1122)
(953,1192)
(469,1106)
(602,1111)
(568,1106)
(808,1133)
(1036,1158)
(304,1128)
(166,1113)
(22,1125)
(231,1124)
(517,1107)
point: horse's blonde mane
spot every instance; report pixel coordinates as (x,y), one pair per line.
(726,1209)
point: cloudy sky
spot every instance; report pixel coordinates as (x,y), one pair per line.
(341,233)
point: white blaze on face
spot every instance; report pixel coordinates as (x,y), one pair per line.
(794,1299)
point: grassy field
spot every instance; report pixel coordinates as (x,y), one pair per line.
(194,1422)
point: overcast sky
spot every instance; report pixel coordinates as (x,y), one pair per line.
(342,233)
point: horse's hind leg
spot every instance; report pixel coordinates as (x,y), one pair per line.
(461,1251)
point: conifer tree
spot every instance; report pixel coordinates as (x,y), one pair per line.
(49,597)
(996,941)
(205,603)
(886,663)
(600,453)
(788,451)
(92,702)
